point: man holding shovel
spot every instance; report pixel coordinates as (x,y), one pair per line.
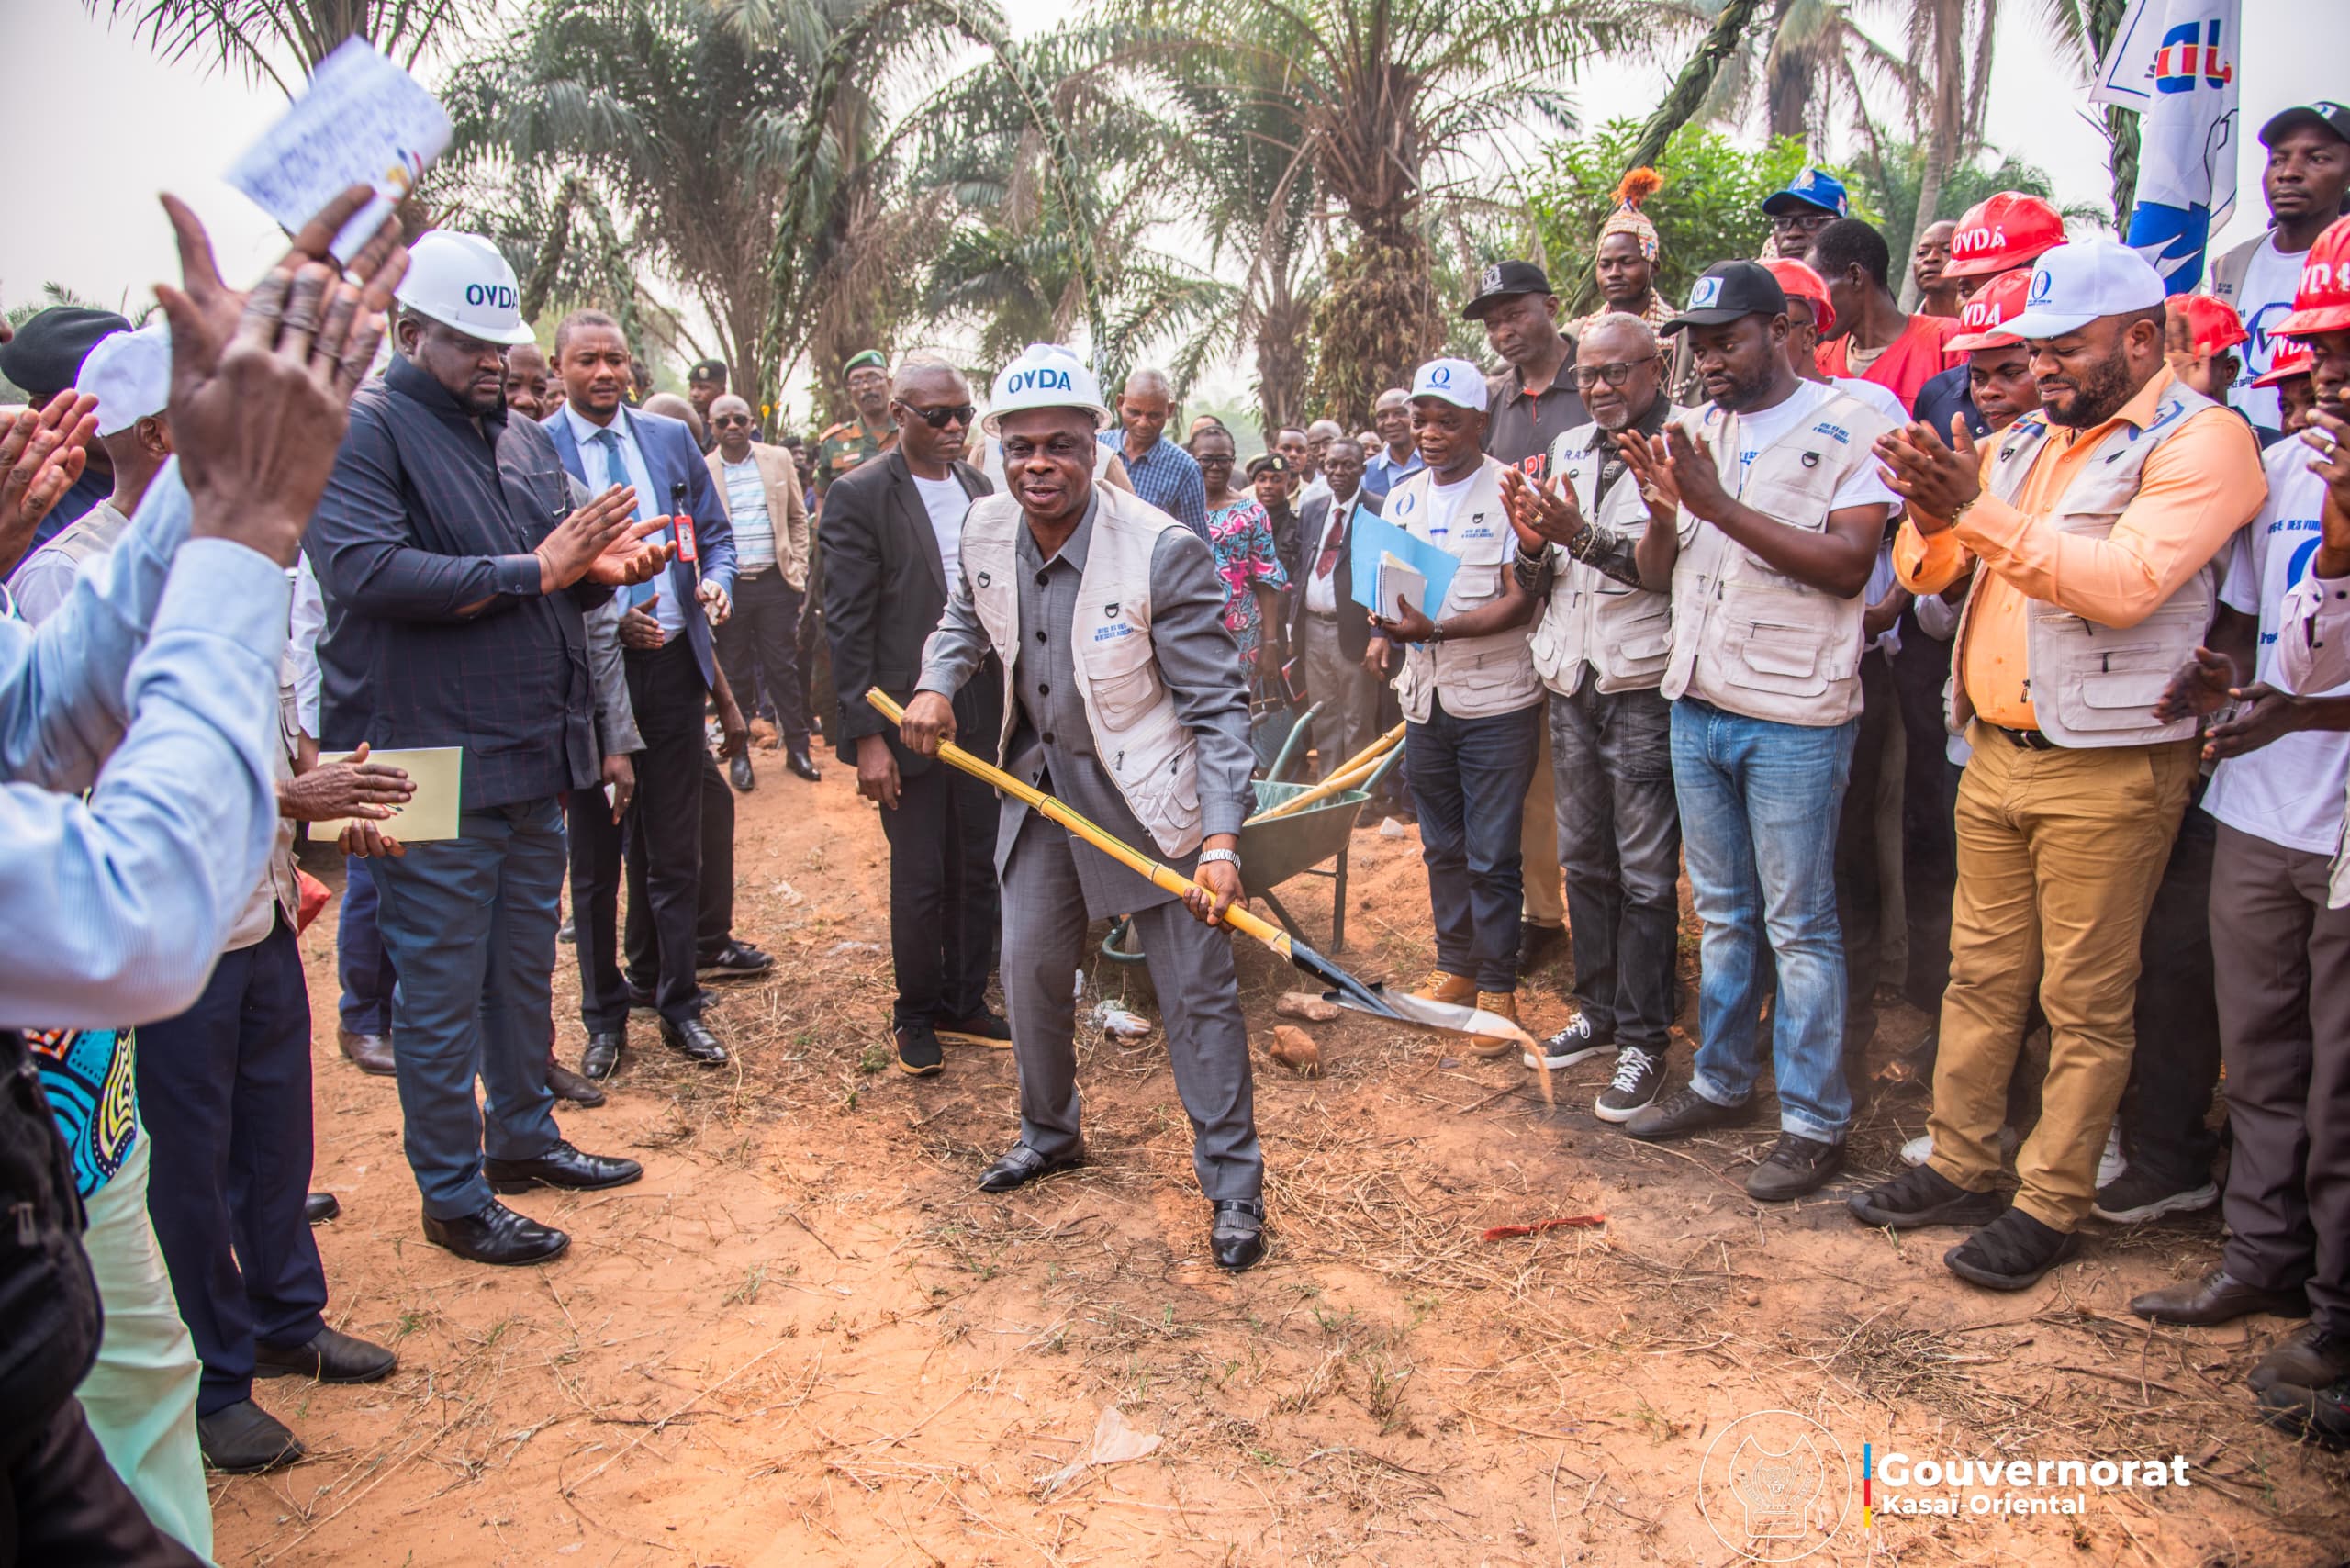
(1124,698)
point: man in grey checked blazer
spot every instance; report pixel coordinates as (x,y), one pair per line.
(1125,698)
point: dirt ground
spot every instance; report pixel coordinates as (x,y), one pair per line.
(806,1338)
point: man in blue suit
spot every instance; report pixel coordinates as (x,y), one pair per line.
(665,636)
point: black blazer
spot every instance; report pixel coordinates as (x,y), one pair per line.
(885,588)
(1354,629)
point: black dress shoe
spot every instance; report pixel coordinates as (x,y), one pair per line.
(562,1166)
(327,1356)
(497,1234)
(1022,1165)
(735,960)
(602,1057)
(568,1085)
(799,763)
(693,1040)
(2217,1297)
(368,1053)
(320,1207)
(1236,1232)
(1538,944)
(245,1439)
(738,771)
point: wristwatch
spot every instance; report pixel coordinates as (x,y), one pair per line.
(1435,633)
(1229,856)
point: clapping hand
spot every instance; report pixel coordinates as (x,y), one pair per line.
(2201,687)
(598,543)
(1540,514)
(1653,469)
(42,451)
(352,787)
(1937,480)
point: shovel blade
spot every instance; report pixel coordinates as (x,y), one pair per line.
(1448,1016)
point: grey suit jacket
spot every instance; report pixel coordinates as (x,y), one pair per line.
(1052,744)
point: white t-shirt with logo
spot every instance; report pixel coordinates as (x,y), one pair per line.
(2289,792)
(2265,299)
(1764,428)
(1444,505)
(946,503)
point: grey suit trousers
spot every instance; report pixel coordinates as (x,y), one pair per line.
(1199,1001)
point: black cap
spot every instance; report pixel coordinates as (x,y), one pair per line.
(1728,290)
(2333,116)
(708,370)
(1504,280)
(47,352)
(1265,462)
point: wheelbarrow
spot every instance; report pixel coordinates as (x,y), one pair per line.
(1273,852)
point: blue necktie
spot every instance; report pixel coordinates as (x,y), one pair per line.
(616,473)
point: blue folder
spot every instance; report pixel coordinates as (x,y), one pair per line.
(1373,536)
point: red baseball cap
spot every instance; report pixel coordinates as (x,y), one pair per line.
(1998,302)
(2007,231)
(2323,302)
(1800,282)
(2211,324)
(2292,359)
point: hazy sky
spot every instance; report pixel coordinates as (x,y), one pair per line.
(133,126)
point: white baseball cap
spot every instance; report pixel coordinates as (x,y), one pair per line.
(1046,376)
(1455,381)
(130,376)
(2075,283)
(462,281)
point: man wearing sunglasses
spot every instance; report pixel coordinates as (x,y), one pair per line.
(758,644)
(893,531)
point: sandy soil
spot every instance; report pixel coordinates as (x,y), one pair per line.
(805,1337)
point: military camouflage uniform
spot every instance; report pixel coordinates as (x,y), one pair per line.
(845,445)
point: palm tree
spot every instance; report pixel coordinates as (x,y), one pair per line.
(258,36)
(1393,99)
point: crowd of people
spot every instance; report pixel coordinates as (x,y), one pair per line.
(1985,654)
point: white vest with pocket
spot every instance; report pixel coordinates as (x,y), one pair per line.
(2092,685)
(1141,743)
(1623,634)
(1746,637)
(1477,677)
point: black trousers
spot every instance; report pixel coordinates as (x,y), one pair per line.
(758,647)
(714,910)
(1928,814)
(2175,1067)
(595,846)
(945,912)
(1860,898)
(663,824)
(64,1504)
(224,1089)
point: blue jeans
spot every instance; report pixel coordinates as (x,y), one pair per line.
(470,926)
(1619,842)
(1469,780)
(360,961)
(1759,806)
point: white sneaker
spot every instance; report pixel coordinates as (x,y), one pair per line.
(1569,1045)
(2112,1162)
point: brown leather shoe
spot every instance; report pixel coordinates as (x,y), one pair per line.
(566,1084)
(2308,1357)
(2217,1297)
(369,1053)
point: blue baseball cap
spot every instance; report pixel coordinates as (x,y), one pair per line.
(1813,187)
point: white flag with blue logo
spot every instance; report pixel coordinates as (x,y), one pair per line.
(2175,62)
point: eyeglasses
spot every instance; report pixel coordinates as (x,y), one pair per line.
(939,419)
(1797,223)
(724,421)
(1614,374)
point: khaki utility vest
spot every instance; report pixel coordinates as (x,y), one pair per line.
(2092,685)
(1749,639)
(1142,744)
(1623,634)
(1477,677)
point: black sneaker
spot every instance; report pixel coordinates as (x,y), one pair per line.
(981,1028)
(2010,1253)
(735,960)
(1921,1196)
(1683,1112)
(919,1054)
(2139,1194)
(1639,1076)
(1577,1042)
(1797,1165)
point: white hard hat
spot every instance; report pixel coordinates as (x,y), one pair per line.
(1046,377)
(130,376)
(460,281)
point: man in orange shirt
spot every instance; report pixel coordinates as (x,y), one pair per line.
(1873,341)
(2089,530)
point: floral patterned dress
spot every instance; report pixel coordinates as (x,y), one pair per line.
(1242,538)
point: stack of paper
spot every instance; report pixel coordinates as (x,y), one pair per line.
(1398,582)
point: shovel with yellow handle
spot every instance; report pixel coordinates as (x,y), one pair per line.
(1344,990)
